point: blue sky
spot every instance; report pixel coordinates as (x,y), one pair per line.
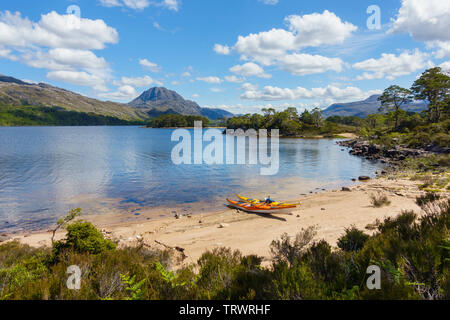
(240,55)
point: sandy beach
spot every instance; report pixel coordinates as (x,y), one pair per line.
(330,211)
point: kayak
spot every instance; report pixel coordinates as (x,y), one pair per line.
(257,201)
(260,208)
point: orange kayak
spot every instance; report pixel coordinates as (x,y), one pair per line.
(260,208)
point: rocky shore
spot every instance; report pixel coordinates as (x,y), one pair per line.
(371,151)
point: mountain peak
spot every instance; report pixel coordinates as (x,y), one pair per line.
(159,94)
(159,100)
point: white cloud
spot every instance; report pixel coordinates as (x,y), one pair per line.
(270,2)
(153,67)
(110,3)
(142,4)
(210,79)
(171,4)
(61,44)
(79,78)
(216,89)
(265,46)
(234,79)
(158,26)
(329,93)
(254,108)
(220,49)
(138,82)
(311,30)
(445,66)
(77,58)
(186,74)
(249,87)
(136,4)
(55,31)
(123,93)
(303,64)
(390,66)
(250,69)
(6,54)
(443,48)
(195,95)
(427,21)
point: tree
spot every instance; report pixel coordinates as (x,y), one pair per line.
(313,117)
(433,86)
(292,113)
(392,99)
(317,117)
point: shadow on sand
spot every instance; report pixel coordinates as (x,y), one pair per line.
(263,215)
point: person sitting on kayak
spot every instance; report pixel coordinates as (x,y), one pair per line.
(268,200)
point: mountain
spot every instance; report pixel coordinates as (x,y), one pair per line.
(157,101)
(14,92)
(364,108)
(151,103)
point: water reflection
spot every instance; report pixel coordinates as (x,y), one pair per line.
(46,171)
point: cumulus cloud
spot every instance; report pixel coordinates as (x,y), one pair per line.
(80,78)
(234,79)
(153,67)
(123,93)
(7,54)
(210,79)
(311,30)
(110,3)
(390,66)
(250,69)
(303,64)
(426,21)
(56,31)
(138,82)
(61,44)
(445,66)
(220,49)
(329,93)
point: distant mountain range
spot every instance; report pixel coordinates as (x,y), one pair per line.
(363,108)
(151,103)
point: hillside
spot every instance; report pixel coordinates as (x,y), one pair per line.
(363,108)
(17,93)
(157,101)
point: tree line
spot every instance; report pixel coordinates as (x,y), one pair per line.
(433,86)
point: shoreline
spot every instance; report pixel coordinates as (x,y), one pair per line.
(253,233)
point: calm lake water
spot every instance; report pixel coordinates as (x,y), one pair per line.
(46,171)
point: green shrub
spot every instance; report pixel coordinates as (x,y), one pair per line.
(83,237)
(352,240)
